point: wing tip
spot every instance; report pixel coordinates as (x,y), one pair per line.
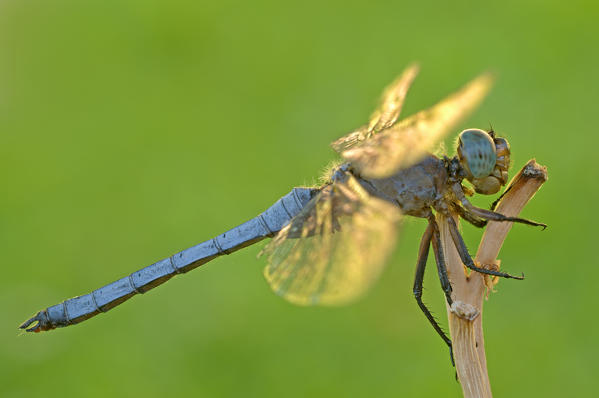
(483,82)
(413,68)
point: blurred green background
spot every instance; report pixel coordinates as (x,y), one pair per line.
(131,130)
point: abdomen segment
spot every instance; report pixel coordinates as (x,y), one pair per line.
(78,309)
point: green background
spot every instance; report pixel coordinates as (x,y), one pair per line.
(131,130)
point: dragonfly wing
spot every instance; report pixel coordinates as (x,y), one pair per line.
(334,249)
(406,142)
(385,115)
(392,101)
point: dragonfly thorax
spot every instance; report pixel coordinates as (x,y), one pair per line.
(484,159)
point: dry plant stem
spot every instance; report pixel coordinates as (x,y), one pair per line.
(465,315)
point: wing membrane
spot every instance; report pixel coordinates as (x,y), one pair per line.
(334,249)
(406,142)
(385,115)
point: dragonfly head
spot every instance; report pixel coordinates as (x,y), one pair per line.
(485,159)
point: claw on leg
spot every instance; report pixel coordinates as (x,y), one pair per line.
(489,280)
(465,256)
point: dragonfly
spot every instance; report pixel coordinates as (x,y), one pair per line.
(330,243)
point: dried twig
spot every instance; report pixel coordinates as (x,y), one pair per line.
(465,320)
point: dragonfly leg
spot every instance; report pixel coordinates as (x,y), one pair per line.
(469,217)
(489,214)
(418,279)
(494,216)
(465,255)
(496,202)
(440,260)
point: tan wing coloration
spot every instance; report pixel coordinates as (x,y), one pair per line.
(334,249)
(385,115)
(408,141)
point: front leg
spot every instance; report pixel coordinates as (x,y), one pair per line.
(496,202)
(489,214)
(466,215)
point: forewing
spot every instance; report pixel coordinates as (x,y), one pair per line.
(385,115)
(408,141)
(334,249)
(392,101)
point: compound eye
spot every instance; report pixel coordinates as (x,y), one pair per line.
(477,152)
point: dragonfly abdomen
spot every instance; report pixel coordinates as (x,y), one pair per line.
(80,308)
